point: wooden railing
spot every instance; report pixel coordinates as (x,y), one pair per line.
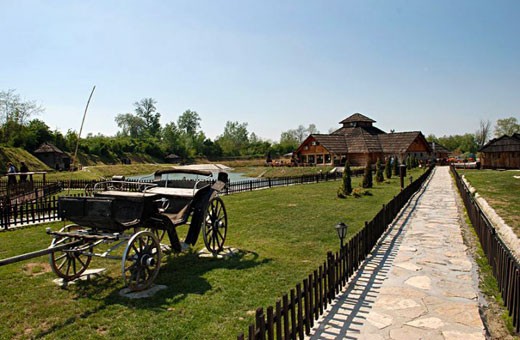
(506,268)
(294,315)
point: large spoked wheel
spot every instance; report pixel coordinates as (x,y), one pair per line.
(141,260)
(69,263)
(215,225)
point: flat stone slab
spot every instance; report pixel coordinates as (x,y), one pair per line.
(429,323)
(421,282)
(87,275)
(224,253)
(126,292)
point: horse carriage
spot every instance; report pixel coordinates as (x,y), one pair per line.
(137,215)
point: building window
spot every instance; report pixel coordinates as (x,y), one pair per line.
(311,158)
(319,159)
(327,158)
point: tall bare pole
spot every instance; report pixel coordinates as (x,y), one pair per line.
(79,134)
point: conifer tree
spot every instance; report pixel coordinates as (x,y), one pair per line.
(388,168)
(409,163)
(379,171)
(367,177)
(346,182)
(396,167)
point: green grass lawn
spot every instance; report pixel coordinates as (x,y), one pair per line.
(283,234)
(501,190)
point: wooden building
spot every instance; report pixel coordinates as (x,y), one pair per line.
(501,153)
(53,157)
(440,153)
(359,141)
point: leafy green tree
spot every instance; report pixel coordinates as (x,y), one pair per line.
(396,167)
(379,171)
(14,117)
(388,168)
(131,125)
(235,139)
(189,122)
(367,176)
(507,126)
(146,110)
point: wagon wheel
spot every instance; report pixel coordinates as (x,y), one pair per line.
(141,260)
(215,225)
(159,233)
(69,264)
(89,189)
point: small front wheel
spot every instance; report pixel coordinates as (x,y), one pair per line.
(69,264)
(215,225)
(141,260)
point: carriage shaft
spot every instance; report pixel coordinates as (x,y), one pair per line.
(39,253)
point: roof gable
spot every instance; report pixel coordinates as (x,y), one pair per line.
(48,148)
(503,144)
(356,118)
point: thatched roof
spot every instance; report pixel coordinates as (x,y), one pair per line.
(503,144)
(48,148)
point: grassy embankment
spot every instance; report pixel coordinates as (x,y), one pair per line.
(283,234)
(501,190)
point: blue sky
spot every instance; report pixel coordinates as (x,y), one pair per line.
(434,66)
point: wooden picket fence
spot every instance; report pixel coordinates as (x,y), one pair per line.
(506,268)
(294,315)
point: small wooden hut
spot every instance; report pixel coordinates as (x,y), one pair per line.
(501,153)
(53,157)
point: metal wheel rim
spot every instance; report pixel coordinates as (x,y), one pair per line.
(215,225)
(141,260)
(68,265)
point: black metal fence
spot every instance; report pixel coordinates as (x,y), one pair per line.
(294,315)
(506,267)
(42,209)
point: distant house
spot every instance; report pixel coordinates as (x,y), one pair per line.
(172,158)
(440,152)
(502,152)
(359,141)
(53,157)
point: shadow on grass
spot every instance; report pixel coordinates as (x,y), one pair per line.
(183,274)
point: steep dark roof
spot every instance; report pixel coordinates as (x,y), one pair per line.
(347,130)
(398,142)
(333,143)
(503,144)
(439,147)
(356,118)
(48,148)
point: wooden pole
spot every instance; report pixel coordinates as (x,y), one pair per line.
(79,136)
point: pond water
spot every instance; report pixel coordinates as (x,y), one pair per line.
(233,177)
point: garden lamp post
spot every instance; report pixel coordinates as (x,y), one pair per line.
(341,229)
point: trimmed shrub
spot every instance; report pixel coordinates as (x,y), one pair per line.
(367,177)
(388,168)
(346,182)
(379,172)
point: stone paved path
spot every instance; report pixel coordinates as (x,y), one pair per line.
(418,283)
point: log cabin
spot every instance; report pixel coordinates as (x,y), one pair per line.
(359,141)
(501,153)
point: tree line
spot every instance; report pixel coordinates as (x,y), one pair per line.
(141,132)
(470,143)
